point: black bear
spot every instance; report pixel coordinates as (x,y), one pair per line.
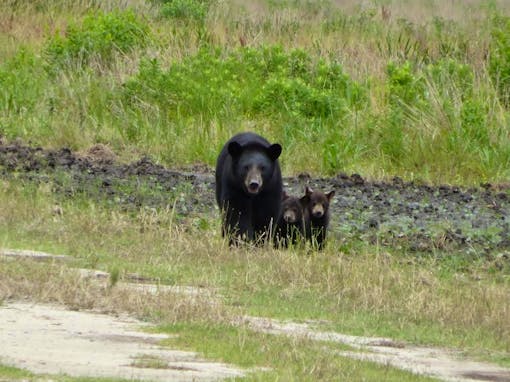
(290,228)
(249,187)
(316,213)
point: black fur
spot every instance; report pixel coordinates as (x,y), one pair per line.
(248,187)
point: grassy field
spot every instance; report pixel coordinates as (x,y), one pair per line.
(432,300)
(418,89)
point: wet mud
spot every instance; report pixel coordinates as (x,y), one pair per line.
(411,216)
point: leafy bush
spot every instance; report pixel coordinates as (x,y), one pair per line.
(100,34)
(266,80)
(404,85)
(450,75)
(499,58)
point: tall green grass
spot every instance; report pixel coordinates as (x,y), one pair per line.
(350,88)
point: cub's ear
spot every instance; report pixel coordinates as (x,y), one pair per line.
(235,149)
(285,195)
(308,191)
(304,201)
(274,151)
(330,195)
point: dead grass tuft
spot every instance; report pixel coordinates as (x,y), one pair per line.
(25,280)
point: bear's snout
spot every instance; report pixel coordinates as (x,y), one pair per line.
(290,216)
(318,211)
(253,182)
(253,187)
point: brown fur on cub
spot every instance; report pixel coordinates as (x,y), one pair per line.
(316,216)
(291,226)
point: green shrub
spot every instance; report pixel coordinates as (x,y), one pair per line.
(99,35)
(404,85)
(267,80)
(451,76)
(499,58)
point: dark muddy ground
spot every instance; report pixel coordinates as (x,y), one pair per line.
(414,217)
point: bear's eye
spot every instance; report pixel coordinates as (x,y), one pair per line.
(262,168)
(246,168)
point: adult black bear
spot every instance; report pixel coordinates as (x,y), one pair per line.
(316,214)
(291,224)
(249,187)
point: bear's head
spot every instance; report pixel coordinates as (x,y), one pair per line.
(254,165)
(317,202)
(292,209)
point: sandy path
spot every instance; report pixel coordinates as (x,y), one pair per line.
(447,365)
(48,339)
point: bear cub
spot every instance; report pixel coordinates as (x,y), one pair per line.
(291,224)
(249,187)
(316,216)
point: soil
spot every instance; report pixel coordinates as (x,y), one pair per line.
(410,216)
(48,339)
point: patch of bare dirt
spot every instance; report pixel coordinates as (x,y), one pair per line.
(445,364)
(47,339)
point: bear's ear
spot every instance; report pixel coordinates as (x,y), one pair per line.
(330,195)
(304,200)
(235,149)
(285,195)
(274,151)
(308,191)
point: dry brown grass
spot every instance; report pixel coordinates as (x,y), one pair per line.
(55,283)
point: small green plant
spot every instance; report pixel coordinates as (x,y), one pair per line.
(98,35)
(114,276)
(405,85)
(23,83)
(451,76)
(499,58)
(186,9)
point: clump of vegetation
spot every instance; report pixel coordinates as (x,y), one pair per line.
(499,58)
(266,80)
(188,10)
(23,81)
(100,34)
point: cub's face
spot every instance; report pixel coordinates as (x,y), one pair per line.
(292,210)
(317,202)
(253,167)
(319,205)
